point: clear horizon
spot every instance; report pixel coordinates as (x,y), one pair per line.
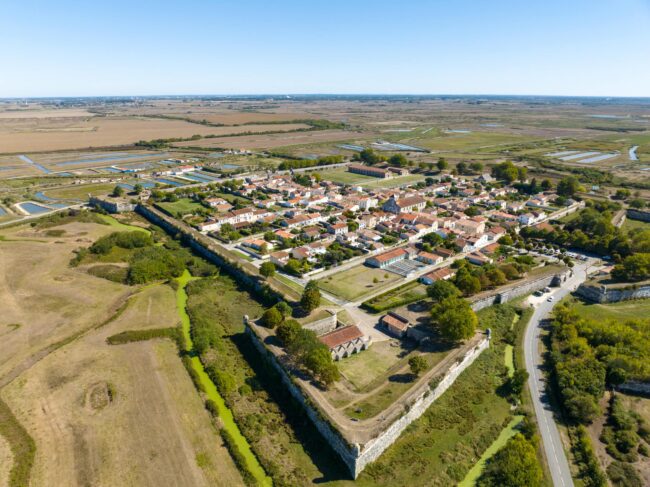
(427,48)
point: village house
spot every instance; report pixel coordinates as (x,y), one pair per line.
(429,258)
(470,227)
(442,274)
(395,324)
(404,205)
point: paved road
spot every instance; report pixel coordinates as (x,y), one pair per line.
(557,460)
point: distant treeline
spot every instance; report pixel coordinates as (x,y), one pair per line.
(616,129)
(303,163)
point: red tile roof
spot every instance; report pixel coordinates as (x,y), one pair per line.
(390,255)
(341,336)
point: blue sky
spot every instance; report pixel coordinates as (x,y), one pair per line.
(545,47)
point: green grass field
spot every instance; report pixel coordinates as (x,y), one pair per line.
(464,142)
(182,206)
(394,182)
(638,309)
(341,175)
(356,282)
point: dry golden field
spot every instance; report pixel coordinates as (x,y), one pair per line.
(17,114)
(34,135)
(99,414)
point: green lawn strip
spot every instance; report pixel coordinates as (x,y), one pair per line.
(509,360)
(507,433)
(122,227)
(211,390)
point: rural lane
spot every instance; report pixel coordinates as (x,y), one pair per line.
(555,455)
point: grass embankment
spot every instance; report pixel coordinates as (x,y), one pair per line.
(121,227)
(235,438)
(22,447)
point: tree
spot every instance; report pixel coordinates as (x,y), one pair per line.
(417,364)
(506,171)
(138,188)
(442,164)
(293,267)
(517,382)
(118,191)
(466,282)
(622,194)
(568,187)
(476,167)
(319,361)
(546,185)
(454,318)
(633,268)
(310,299)
(441,290)
(514,465)
(369,156)
(398,160)
(496,276)
(284,309)
(288,331)
(522,172)
(271,318)
(267,269)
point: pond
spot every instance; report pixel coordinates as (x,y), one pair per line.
(116,158)
(169,182)
(33,208)
(632,153)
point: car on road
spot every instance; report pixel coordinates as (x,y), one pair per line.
(550,299)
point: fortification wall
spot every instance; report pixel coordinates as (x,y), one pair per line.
(322,326)
(514,292)
(373,449)
(245,273)
(603,294)
(356,457)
